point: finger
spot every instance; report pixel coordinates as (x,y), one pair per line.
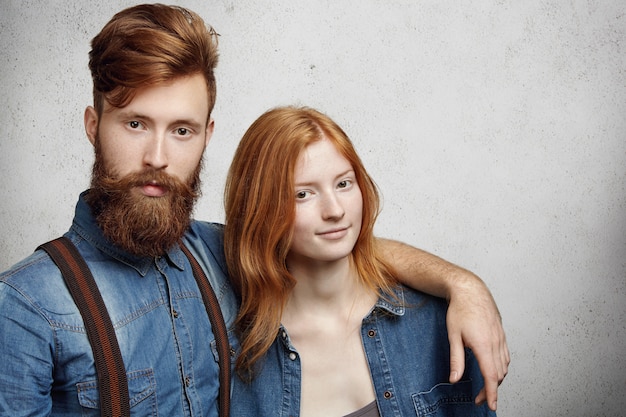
(489,362)
(505,360)
(457,359)
(481,397)
(491,388)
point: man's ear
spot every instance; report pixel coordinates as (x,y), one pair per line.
(91,124)
(209,131)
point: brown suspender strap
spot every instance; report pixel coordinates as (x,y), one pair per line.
(112,383)
(219,331)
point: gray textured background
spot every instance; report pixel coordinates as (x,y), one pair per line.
(495,129)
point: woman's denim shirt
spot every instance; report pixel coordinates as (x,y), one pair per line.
(46,362)
(408,353)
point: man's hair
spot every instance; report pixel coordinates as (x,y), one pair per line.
(149,44)
(260,214)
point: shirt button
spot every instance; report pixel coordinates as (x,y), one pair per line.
(371,333)
(293,356)
(387,395)
(284,335)
(175,314)
(187,381)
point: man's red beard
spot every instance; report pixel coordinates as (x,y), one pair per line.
(142,225)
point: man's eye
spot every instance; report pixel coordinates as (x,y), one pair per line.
(134,124)
(182,131)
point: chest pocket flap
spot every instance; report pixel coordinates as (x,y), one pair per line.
(141,386)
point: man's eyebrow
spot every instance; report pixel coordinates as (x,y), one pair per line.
(189,122)
(130,114)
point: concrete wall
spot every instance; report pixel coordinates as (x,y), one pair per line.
(496,130)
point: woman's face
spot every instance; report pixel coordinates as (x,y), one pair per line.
(329,205)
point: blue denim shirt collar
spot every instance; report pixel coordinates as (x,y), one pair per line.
(85,226)
(395,308)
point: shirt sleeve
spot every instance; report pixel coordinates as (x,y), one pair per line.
(26,356)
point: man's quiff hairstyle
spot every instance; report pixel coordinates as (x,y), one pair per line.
(149,44)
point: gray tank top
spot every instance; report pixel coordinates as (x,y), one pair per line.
(370,410)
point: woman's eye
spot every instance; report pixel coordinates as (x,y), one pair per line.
(302,195)
(344,184)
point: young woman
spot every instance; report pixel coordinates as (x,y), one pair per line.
(325,327)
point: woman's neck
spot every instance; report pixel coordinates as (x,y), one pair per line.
(327,289)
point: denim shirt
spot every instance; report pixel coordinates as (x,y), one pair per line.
(408,353)
(165,337)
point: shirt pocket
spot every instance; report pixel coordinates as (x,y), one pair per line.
(141,390)
(449,400)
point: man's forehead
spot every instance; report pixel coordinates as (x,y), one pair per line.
(131,92)
(179,98)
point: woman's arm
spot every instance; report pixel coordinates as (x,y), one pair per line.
(473,318)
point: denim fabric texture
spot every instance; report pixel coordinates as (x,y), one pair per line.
(408,353)
(46,362)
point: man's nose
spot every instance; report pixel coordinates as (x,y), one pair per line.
(155,153)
